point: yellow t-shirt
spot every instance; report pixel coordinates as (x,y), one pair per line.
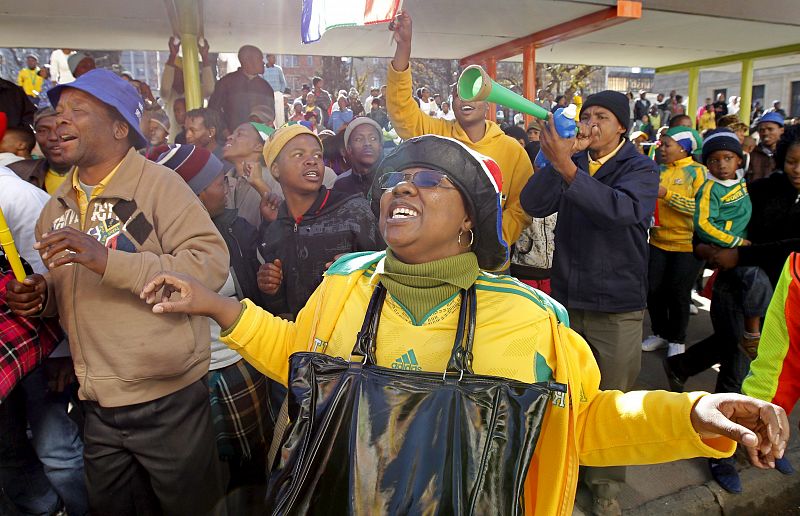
(30,81)
(594,166)
(707,121)
(83,201)
(53,181)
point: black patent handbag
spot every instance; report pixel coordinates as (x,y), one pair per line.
(365,439)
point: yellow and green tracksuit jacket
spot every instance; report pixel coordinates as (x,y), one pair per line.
(775,373)
(30,81)
(683,180)
(723,211)
(520,334)
(409,121)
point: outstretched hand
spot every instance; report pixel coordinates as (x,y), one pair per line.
(761,427)
(174,45)
(203,48)
(195,298)
(401,26)
(401,32)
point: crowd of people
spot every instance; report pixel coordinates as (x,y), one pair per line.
(180,261)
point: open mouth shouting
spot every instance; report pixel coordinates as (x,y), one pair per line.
(400,211)
(312,174)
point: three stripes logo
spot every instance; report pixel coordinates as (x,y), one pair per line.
(407,362)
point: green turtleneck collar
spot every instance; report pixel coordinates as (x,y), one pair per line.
(422,287)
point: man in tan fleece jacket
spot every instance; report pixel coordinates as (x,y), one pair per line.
(116,221)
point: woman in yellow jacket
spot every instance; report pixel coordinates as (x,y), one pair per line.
(673,268)
(440,216)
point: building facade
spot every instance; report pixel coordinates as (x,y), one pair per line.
(769,84)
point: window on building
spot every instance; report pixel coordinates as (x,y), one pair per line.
(794,101)
(310,60)
(758,94)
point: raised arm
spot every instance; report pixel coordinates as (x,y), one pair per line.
(404,112)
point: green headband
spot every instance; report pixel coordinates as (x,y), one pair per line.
(264,131)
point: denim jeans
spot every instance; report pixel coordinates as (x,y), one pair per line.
(756,290)
(727,318)
(56,441)
(22,480)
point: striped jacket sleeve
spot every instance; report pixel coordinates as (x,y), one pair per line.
(707,223)
(682,203)
(775,374)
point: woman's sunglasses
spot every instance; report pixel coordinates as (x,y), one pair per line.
(420,179)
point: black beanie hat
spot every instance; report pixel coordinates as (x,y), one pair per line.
(721,139)
(613,101)
(476,176)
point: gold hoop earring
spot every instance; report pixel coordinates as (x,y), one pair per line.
(471,239)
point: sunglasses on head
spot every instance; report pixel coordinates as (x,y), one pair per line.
(420,179)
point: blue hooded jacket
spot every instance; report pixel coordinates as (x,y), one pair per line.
(601,250)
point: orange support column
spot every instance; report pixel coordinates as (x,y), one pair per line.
(491,69)
(529,76)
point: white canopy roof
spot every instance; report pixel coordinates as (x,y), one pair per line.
(669,31)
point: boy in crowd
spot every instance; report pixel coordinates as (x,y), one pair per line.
(311,226)
(721,218)
(762,158)
(363,140)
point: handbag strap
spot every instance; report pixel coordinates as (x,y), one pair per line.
(461,355)
(365,341)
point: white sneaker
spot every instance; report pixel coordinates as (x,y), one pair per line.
(675,349)
(693,310)
(653,342)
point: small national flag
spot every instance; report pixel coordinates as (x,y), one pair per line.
(321,15)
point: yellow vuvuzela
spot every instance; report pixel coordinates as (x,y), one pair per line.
(7,242)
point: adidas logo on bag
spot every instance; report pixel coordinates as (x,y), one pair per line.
(407,362)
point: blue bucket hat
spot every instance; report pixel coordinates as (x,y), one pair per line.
(112,90)
(773,117)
